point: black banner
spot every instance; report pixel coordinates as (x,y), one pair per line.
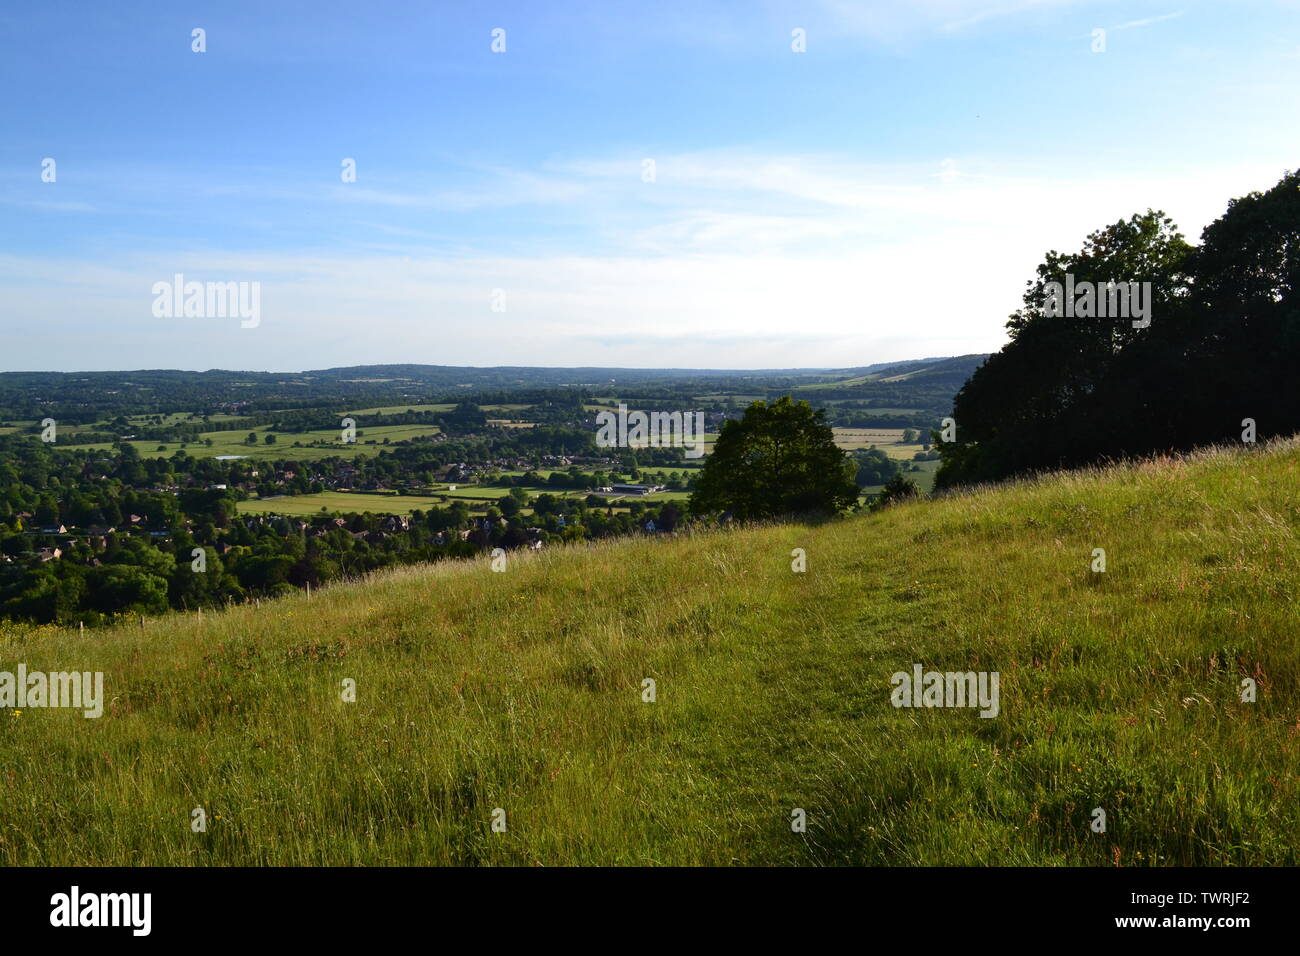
(331,905)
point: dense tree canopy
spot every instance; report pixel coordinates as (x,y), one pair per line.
(779,459)
(1223,344)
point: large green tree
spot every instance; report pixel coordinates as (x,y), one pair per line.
(1223,345)
(779,459)
(1239,356)
(1037,404)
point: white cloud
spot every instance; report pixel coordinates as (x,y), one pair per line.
(741,260)
(887,19)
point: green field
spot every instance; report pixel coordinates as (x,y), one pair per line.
(342,501)
(839,383)
(484,492)
(888,440)
(369,441)
(923,479)
(659,496)
(171,418)
(873,411)
(476,496)
(401,409)
(522,691)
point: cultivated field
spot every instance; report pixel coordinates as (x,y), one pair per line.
(888,440)
(401,409)
(368,442)
(342,501)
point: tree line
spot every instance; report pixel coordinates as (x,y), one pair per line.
(1217,361)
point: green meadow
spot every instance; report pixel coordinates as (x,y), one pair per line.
(523,690)
(369,440)
(478,497)
(341,501)
(401,409)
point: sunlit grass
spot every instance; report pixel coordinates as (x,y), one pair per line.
(522,690)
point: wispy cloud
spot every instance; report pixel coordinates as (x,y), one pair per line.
(1000,11)
(1148,21)
(879,262)
(54,205)
(887,20)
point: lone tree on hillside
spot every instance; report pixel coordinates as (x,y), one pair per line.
(898,488)
(779,459)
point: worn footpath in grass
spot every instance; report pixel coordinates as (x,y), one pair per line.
(523,690)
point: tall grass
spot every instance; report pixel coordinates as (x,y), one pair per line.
(523,690)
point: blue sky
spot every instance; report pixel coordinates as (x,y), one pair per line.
(883,195)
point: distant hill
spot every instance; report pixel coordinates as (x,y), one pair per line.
(949,371)
(911,394)
(523,690)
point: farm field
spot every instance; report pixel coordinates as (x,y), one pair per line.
(878,411)
(839,383)
(888,440)
(342,501)
(523,691)
(664,496)
(366,434)
(401,409)
(232,443)
(923,478)
(688,466)
(474,495)
(171,418)
(483,492)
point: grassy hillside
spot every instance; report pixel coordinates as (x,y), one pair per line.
(522,690)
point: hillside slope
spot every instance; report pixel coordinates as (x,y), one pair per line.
(522,690)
